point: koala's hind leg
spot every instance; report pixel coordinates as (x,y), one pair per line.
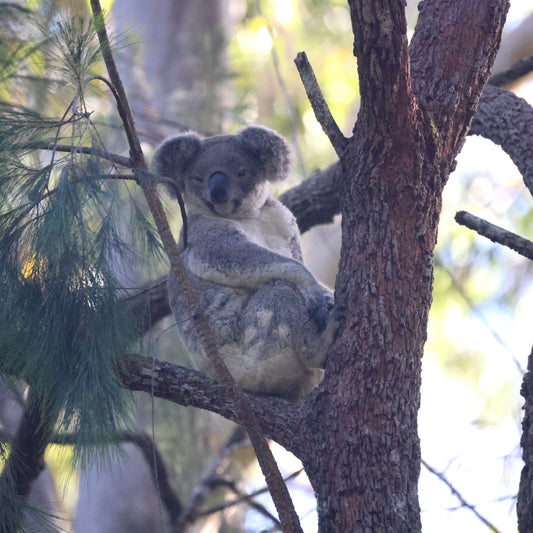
(278,320)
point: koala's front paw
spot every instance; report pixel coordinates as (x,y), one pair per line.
(319,306)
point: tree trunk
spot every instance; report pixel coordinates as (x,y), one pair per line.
(524,508)
(362,448)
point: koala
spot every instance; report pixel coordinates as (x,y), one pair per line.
(273,321)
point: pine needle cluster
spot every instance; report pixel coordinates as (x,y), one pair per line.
(64,318)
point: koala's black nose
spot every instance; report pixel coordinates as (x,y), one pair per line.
(218,187)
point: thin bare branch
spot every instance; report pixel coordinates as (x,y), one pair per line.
(270,469)
(474,309)
(102,154)
(204,486)
(460,497)
(245,498)
(283,86)
(514,73)
(496,234)
(319,105)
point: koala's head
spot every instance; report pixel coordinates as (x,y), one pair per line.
(225,175)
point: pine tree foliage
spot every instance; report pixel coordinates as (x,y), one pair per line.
(63,313)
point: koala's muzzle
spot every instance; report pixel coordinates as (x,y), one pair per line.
(218,187)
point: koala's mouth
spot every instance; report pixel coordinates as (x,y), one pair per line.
(224,209)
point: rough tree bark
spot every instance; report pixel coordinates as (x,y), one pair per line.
(525,495)
(415,112)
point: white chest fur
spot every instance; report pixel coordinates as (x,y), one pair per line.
(274,228)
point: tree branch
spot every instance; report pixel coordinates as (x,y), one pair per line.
(319,105)
(204,486)
(506,119)
(496,234)
(25,461)
(279,419)
(380,45)
(154,461)
(316,200)
(514,73)
(103,154)
(459,496)
(524,509)
(447,87)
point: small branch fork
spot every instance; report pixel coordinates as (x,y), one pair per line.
(278,489)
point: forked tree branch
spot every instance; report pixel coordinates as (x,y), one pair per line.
(246,416)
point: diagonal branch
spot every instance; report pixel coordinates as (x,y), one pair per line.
(496,234)
(319,105)
(514,73)
(246,416)
(459,496)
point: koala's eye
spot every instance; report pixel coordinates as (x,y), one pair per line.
(242,173)
(197,179)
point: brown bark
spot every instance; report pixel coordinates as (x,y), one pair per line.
(362,453)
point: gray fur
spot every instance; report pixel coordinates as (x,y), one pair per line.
(273,321)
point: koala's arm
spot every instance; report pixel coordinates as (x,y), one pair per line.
(223,255)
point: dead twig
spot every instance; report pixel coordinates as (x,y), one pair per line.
(319,105)
(459,496)
(496,234)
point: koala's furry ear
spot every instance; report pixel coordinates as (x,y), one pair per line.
(271,149)
(174,154)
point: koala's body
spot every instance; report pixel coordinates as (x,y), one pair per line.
(272,320)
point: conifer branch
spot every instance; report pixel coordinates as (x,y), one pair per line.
(279,491)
